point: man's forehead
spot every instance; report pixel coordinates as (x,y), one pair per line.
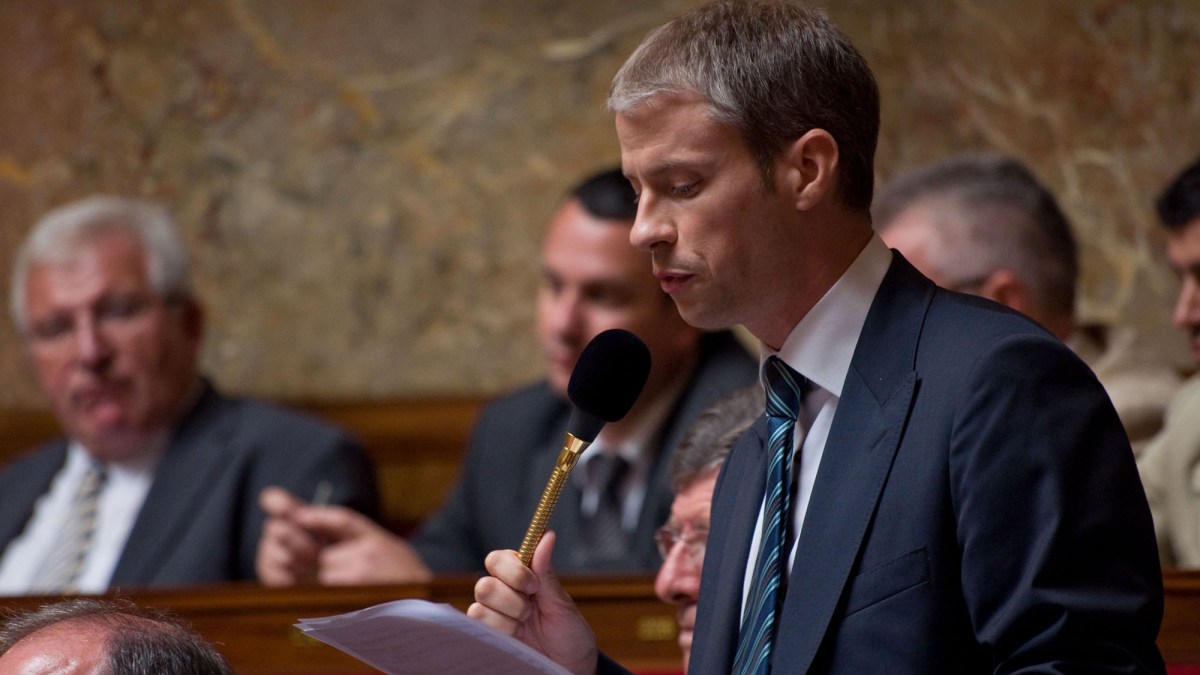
(1183,245)
(71,647)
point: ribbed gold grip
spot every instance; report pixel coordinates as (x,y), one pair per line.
(545,507)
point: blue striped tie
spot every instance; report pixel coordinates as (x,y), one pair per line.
(784,390)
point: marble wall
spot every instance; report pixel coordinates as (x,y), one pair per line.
(363,182)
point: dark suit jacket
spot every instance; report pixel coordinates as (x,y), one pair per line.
(976,510)
(512,452)
(201,522)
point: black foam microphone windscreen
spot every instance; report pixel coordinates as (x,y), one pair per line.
(606,381)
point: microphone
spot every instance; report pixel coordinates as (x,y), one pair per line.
(606,381)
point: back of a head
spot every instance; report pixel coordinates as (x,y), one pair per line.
(770,69)
(1179,203)
(152,647)
(991,213)
(709,438)
(59,233)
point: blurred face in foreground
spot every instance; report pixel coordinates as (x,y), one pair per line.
(114,358)
(681,542)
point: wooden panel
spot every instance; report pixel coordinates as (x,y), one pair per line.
(253,626)
(1179,637)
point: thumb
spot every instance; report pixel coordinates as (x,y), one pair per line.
(334,523)
(278,502)
(550,595)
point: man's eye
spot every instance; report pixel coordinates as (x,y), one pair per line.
(121,308)
(685,190)
(50,329)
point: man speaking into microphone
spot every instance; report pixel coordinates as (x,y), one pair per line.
(618,493)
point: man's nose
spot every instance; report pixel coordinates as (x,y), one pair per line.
(678,580)
(91,344)
(651,227)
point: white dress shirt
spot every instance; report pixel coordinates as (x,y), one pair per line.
(820,348)
(635,451)
(120,502)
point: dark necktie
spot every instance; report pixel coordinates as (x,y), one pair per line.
(605,541)
(61,570)
(785,388)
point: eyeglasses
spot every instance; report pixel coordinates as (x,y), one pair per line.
(693,541)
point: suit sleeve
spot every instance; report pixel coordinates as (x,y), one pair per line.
(298,456)
(1059,567)
(447,540)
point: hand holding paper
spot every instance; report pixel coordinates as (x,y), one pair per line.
(530,604)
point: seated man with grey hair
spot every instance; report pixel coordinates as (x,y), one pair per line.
(694,467)
(100,637)
(982,223)
(156,481)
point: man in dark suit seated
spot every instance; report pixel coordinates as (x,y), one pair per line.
(939,484)
(157,479)
(592,280)
(683,539)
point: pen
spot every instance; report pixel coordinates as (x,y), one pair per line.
(323,493)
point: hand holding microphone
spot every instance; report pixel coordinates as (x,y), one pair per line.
(605,383)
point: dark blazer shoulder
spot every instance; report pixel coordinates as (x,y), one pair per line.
(533,413)
(23,481)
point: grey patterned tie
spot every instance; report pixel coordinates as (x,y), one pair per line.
(61,570)
(604,540)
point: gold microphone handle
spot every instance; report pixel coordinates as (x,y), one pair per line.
(567,458)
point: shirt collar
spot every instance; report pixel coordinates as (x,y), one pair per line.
(145,462)
(821,346)
(638,441)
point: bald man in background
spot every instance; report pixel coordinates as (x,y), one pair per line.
(983,224)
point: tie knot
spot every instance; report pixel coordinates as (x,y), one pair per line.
(606,470)
(785,388)
(94,478)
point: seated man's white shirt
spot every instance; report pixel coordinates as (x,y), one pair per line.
(821,348)
(633,451)
(120,502)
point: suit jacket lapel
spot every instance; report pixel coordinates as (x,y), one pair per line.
(737,501)
(185,476)
(854,468)
(34,481)
(858,456)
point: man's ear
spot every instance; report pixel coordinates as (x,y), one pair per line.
(1004,287)
(809,167)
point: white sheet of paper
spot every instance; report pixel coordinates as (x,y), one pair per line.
(406,637)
